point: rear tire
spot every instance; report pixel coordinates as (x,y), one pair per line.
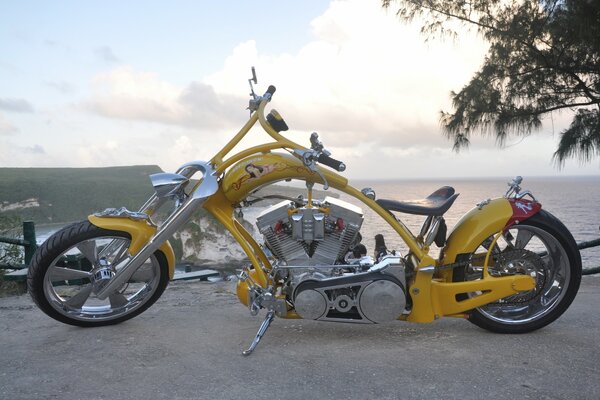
(542,247)
(64,289)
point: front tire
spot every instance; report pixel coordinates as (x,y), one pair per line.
(68,268)
(540,246)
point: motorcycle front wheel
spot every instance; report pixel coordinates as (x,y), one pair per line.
(541,247)
(72,265)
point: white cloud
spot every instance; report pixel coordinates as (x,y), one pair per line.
(16,105)
(35,149)
(365,77)
(62,87)
(366,82)
(105,53)
(6,128)
(12,154)
(125,93)
(94,154)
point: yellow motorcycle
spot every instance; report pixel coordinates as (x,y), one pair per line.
(507,266)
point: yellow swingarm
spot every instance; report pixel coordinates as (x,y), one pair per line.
(140,232)
(433,299)
(436,297)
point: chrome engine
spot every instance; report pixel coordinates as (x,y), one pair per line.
(322,267)
(376,295)
(318,235)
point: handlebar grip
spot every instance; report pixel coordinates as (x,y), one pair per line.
(331,162)
(271,90)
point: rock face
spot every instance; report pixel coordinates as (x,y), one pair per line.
(28,203)
(204,240)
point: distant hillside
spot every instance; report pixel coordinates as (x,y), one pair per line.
(55,195)
(47,195)
(61,195)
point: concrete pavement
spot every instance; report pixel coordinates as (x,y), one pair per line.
(188,345)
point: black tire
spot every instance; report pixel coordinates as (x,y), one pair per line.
(561,263)
(49,263)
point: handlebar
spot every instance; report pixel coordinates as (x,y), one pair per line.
(274,133)
(331,162)
(271,90)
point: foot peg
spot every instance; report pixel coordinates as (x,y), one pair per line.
(261,331)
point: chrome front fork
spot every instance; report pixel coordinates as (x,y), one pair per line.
(208,187)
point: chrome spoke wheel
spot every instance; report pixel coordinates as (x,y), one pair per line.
(540,247)
(527,250)
(77,274)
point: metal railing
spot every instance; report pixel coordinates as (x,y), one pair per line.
(28,242)
(587,245)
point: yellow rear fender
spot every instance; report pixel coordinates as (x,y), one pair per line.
(140,232)
(477,225)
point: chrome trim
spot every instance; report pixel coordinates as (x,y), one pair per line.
(309,158)
(123,212)
(435,226)
(331,304)
(317,267)
(361,262)
(385,262)
(369,192)
(187,170)
(430,269)
(426,226)
(169,185)
(151,205)
(483,203)
(208,186)
(525,193)
(261,331)
(514,186)
(514,190)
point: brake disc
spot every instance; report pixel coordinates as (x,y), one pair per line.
(520,262)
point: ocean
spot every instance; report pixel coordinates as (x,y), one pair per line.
(574,200)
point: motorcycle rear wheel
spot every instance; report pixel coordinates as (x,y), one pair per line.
(541,247)
(64,288)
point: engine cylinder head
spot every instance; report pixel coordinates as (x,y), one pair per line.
(310,235)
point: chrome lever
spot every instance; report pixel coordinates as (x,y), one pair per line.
(325,183)
(309,158)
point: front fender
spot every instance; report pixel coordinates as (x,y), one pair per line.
(484,221)
(140,232)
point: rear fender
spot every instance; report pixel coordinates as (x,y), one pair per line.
(485,220)
(140,232)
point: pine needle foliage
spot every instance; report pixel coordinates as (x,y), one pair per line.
(543,56)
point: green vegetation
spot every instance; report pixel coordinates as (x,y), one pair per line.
(10,227)
(70,194)
(544,56)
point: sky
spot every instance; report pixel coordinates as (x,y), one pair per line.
(93,84)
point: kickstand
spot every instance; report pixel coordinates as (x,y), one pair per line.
(261,331)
